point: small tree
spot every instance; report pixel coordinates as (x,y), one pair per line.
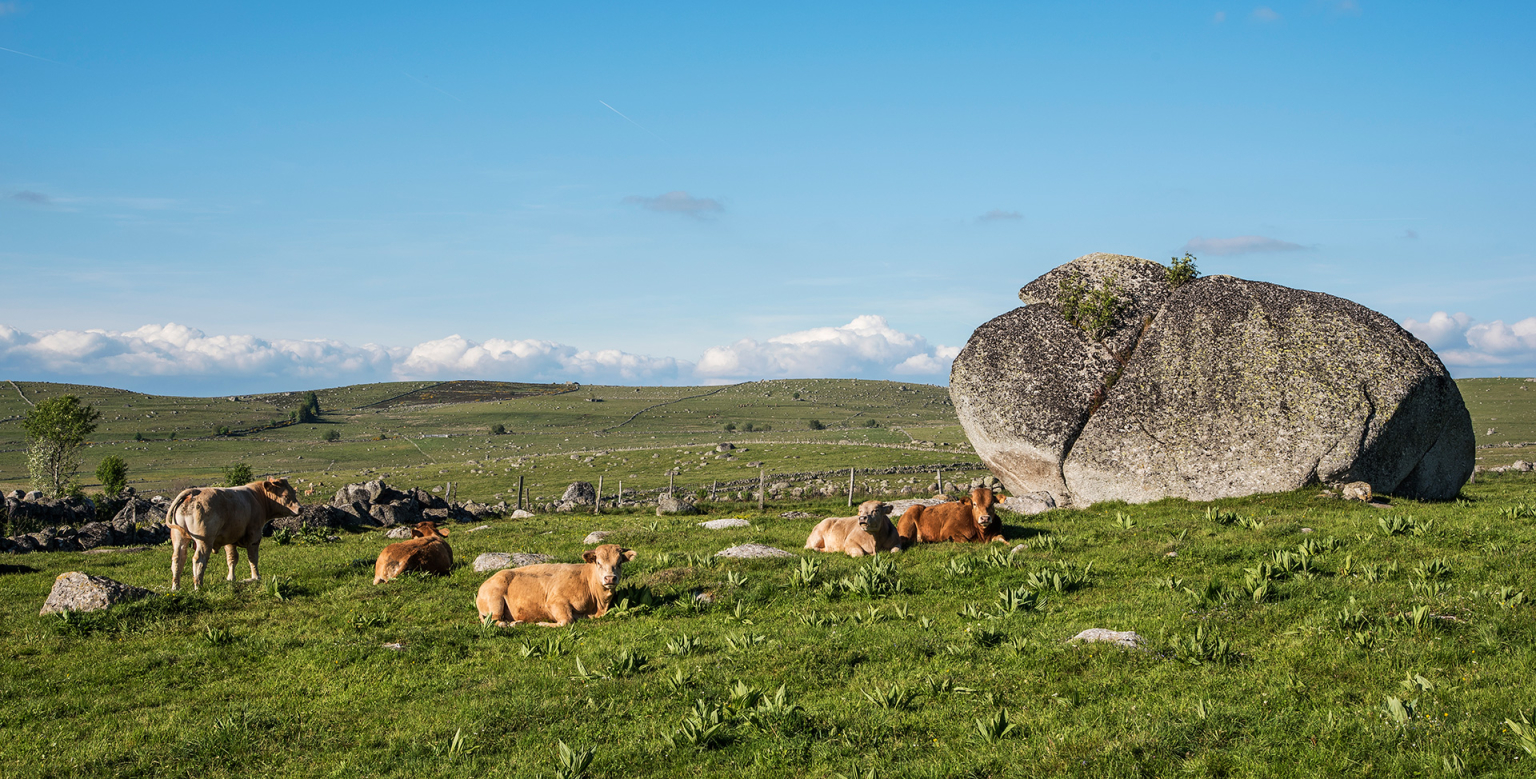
(1181,271)
(331,435)
(730,427)
(498,429)
(747,427)
(871,423)
(815,424)
(58,427)
(112,472)
(238,474)
(138,436)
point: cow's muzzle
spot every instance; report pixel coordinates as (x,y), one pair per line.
(611,581)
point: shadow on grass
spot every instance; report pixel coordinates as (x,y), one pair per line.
(136,617)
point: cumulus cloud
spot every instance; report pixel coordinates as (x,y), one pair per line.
(678,202)
(997,215)
(1242,244)
(867,347)
(1265,14)
(1470,348)
(28,196)
(176,359)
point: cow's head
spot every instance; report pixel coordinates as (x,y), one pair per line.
(428,530)
(874,516)
(284,496)
(983,503)
(608,559)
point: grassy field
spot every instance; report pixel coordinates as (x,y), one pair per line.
(1370,646)
(632,434)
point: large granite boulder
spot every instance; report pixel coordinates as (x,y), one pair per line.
(1222,387)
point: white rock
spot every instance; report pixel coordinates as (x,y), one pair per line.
(753,551)
(721,524)
(1097,635)
(521,514)
(596,536)
(495,561)
(398,532)
(482,527)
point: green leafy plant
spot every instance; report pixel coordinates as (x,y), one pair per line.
(1124,521)
(804,576)
(1524,732)
(896,696)
(1203,647)
(112,472)
(330,436)
(573,763)
(237,475)
(702,729)
(995,728)
(684,645)
(875,579)
(1181,271)
(815,424)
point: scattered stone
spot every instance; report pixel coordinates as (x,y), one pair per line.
(596,536)
(521,514)
(1306,530)
(398,532)
(705,598)
(482,527)
(749,551)
(1018,549)
(1171,554)
(671,504)
(113,549)
(1100,635)
(76,591)
(1030,503)
(722,524)
(495,561)
(724,447)
(799,515)
(1356,490)
(395,647)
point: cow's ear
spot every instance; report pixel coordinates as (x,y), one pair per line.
(629,554)
(442,531)
(589,556)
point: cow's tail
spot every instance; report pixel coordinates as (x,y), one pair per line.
(183,497)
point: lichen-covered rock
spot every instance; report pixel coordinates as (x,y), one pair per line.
(495,561)
(1220,388)
(671,504)
(753,551)
(724,524)
(76,591)
(1125,638)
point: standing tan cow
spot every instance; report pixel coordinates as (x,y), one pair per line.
(426,551)
(869,532)
(230,517)
(972,518)
(554,594)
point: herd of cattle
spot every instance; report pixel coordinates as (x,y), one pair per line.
(551,594)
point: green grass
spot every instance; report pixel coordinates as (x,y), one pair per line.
(1367,652)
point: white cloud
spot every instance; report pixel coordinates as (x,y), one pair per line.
(176,359)
(1220,17)
(1442,330)
(867,347)
(1265,14)
(1242,244)
(1477,349)
(678,202)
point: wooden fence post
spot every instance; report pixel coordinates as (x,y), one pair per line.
(619,501)
(850,486)
(597,505)
(670,476)
(519,492)
(762,489)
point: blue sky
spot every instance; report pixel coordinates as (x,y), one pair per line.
(219,197)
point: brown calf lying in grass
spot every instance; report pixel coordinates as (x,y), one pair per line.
(211,517)
(972,518)
(869,532)
(554,594)
(426,551)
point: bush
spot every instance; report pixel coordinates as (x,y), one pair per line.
(1181,271)
(730,427)
(138,436)
(1093,310)
(58,427)
(221,430)
(238,474)
(112,472)
(330,435)
(308,410)
(871,423)
(747,427)
(498,429)
(816,424)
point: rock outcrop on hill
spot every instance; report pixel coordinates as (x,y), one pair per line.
(1219,388)
(378,504)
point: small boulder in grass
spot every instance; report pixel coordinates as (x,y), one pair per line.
(722,524)
(1356,490)
(76,591)
(1126,638)
(398,532)
(496,561)
(752,551)
(596,536)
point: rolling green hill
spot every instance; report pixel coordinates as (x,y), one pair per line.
(430,433)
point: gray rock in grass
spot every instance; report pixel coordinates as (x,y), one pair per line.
(596,536)
(495,561)
(1124,638)
(722,524)
(750,551)
(76,591)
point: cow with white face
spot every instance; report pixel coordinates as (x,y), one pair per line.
(554,594)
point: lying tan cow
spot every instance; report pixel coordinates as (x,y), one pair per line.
(554,594)
(869,532)
(426,551)
(230,517)
(972,518)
